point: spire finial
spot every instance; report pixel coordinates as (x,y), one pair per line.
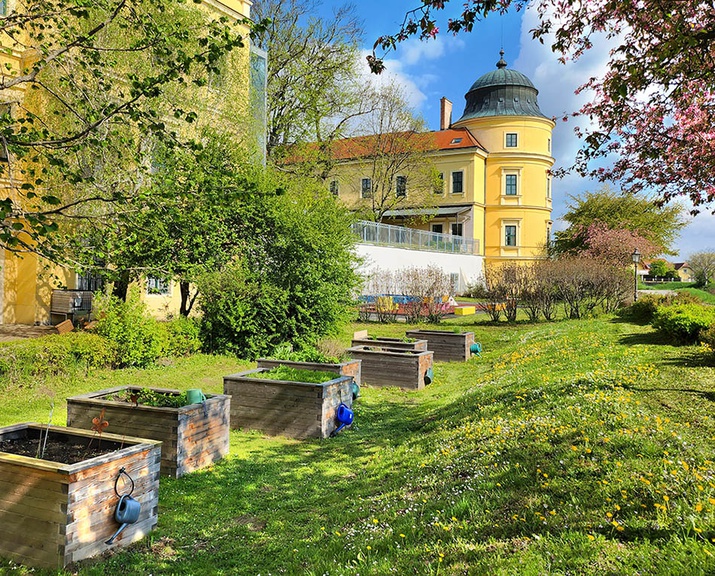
(502,63)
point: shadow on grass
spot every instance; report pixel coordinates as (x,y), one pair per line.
(281,506)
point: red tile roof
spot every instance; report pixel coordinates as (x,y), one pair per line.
(397,142)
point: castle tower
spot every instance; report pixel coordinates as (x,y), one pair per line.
(503,114)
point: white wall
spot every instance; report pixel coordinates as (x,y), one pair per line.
(468,266)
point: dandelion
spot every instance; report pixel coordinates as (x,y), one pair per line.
(591,537)
(369,547)
(402,535)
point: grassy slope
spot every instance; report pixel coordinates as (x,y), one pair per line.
(575,447)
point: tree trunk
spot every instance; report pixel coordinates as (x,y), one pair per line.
(121,285)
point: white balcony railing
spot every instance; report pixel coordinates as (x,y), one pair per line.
(413,239)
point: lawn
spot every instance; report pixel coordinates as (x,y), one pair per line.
(577,447)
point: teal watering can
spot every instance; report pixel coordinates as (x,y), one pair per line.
(127,510)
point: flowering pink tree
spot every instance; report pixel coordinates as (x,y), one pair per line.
(615,246)
(655,106)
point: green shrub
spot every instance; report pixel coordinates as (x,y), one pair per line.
(707,337)
(138,339)
(24,360)
(643,309)
(683,322)
(240,316)
(183,337)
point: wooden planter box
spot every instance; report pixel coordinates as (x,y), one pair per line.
(447,346)
(193,436)
(348,368)
(394,343)
(391,367)
(282,407)
(52,514)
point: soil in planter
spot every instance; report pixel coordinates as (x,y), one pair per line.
(63,450)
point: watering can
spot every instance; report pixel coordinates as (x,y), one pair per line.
(345,416)
(126,513)
(355,390)
(429,376)
(476,348)
(195,396)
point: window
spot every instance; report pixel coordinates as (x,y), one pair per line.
(439,185)
(90,281)
(437,228)
(159,286)
(510,184)
(401,186)
(366,188)
(334,187)
(3,7)
(456,141)
(510,235)
(457,182)
(548,186)
(457,229)
(548,145)
(511,140)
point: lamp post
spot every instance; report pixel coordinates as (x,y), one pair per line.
(636,257)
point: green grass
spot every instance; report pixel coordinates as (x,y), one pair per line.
(568,448)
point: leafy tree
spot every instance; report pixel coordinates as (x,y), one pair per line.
(293,280)
(313,87)
(395,145)
(703,266)
(96,77)
(654,107)
(660,268)
(188,221)
(645,225)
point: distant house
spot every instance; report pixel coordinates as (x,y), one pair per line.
(684,271)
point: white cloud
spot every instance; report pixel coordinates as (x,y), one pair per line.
(396,74)
(415,51)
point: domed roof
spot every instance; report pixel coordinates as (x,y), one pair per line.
(501,92)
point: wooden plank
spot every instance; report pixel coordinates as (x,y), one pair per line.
(64,327)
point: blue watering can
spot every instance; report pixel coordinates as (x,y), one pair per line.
(345,416)
(127,510)
(476,348)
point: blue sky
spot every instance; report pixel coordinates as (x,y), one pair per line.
(449,65)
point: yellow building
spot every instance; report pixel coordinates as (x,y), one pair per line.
(26,280)
(493,164)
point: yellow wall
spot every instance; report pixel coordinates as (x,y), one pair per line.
(530,160)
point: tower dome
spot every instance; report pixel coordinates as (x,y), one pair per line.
(501,92)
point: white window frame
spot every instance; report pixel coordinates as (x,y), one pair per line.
(517,233)
(451,187)
(158,286)
(402,179)
(367,188)
(511,172)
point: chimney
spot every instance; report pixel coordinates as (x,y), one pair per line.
(445,113)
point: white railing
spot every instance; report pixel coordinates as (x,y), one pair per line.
(401,237)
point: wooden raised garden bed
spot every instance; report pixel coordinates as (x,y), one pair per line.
(447,346)
(285,407)
(347,368)
(393,343)
(392,367)
(53,513)
(193,436)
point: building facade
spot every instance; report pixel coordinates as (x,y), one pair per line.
(492,166)
(26,280)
